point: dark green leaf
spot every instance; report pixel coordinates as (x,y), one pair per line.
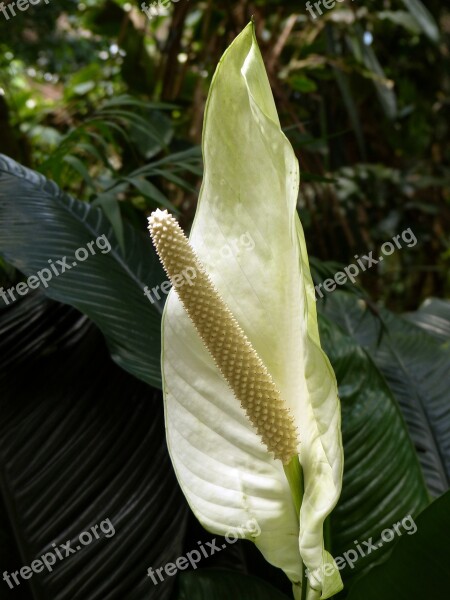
(434,317)
(382,478)
(147,189)
(417,370)
(80,168)
(81,443)
(419,568)
(127,100)
(39,223)
(110,205)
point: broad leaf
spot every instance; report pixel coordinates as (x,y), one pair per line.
(39,223)
(382,478)
(419,567)
(417,371)
(82,442)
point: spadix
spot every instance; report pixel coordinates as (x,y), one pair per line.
(230,348)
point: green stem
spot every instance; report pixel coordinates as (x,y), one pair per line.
(305,582)
(294,475)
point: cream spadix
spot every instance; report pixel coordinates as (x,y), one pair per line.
(230,348)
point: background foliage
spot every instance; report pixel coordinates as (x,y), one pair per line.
(108,105)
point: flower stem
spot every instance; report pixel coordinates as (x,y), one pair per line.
(305,583)
(294,475)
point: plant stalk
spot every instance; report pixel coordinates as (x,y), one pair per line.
(294,475)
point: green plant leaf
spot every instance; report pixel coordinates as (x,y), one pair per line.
(383,87)
(80,168)
(419,567)
(417,371)
(127,100)
(382,478)
(147,189)
(434,317)
(109,203)
(223,585)
(81,441)
(424,19)
(402,18)
(39,223)
(247,233)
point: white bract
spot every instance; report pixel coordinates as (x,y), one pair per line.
(225,457)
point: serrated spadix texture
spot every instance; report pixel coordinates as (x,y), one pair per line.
(247,234)
(230,348)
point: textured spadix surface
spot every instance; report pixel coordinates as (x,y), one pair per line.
(228,345)
(247,234)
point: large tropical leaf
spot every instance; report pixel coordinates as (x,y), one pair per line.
(39,223)
(417,370)
(419,568)
(383,482)
(81,442)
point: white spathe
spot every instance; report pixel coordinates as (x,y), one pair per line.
(250,189)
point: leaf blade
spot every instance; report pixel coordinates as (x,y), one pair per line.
(43,224)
